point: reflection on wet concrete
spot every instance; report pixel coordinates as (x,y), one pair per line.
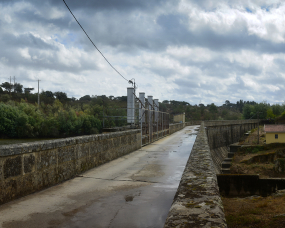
(146,206)
(134,191)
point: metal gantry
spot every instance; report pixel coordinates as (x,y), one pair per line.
(144,114)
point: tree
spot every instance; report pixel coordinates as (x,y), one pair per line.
(48,94)
(261,109)
(213,108)
(277,109)
(18,88)
(85,98)
(28,90)
(7,86)
(247,111)
(270,114)
(227,103)
(61,96)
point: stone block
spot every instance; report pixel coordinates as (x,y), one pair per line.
(29,163)
(12,167)
(279,165)
(65,154)
(46,159)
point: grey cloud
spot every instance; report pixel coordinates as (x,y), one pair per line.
(133,28)
(25,40)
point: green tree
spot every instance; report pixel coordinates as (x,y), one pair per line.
(247,111)
(277,109)
(270,114)
(85,98)
(213,108)
(18,88)
(61,96)
(48,94)
(28,90)
(7,86)
(261,109)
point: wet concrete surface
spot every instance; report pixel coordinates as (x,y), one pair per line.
(136,190)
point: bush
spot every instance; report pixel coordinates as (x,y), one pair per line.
(23,120)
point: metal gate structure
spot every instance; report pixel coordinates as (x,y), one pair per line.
(154,125)
(141,114)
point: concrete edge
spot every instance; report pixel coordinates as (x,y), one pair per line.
(22,148)
(197,202)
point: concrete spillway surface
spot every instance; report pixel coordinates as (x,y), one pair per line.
(133,191)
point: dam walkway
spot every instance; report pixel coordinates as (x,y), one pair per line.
(135,190)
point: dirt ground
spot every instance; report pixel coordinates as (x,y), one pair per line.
(255,211)
(241,163)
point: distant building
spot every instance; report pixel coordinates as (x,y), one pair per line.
(180,118)
(274,133)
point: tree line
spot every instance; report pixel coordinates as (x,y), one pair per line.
(61,116)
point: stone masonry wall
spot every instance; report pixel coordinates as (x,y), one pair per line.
(175,127)
(224,133)
(29,167)
(197,202)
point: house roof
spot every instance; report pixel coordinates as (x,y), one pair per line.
(274,128)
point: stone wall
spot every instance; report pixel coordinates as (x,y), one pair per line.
(175,127)
(223,133)
(179,126)
(248,185)
(197,202)
(29,167)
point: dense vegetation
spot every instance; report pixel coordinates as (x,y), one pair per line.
(60,116)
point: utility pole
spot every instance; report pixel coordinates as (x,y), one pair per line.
(38,94)
(258,129)
(14,83)
(10,86)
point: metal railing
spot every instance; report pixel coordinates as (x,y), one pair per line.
(153,124)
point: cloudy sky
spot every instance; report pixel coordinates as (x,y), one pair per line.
(187,50)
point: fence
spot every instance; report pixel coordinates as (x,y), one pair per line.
(153,124)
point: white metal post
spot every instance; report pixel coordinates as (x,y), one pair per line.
(131,105)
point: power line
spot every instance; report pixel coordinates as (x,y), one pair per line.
(129,81)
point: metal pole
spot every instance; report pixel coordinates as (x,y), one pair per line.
(258,129)
(103,120)
(162,124)
(39,94)
(141,133)
(10,86)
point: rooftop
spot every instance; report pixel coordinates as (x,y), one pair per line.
(274,128)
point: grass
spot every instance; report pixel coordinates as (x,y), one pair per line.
(255,212)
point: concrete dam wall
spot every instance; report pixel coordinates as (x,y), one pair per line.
(197,202)
(29,167)
(223,133)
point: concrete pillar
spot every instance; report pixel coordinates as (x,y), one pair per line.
(131,105)
(156,109)
(150,113)
(142,107)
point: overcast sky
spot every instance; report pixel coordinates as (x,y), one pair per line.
(187,50)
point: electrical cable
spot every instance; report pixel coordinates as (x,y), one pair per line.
(129,81)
